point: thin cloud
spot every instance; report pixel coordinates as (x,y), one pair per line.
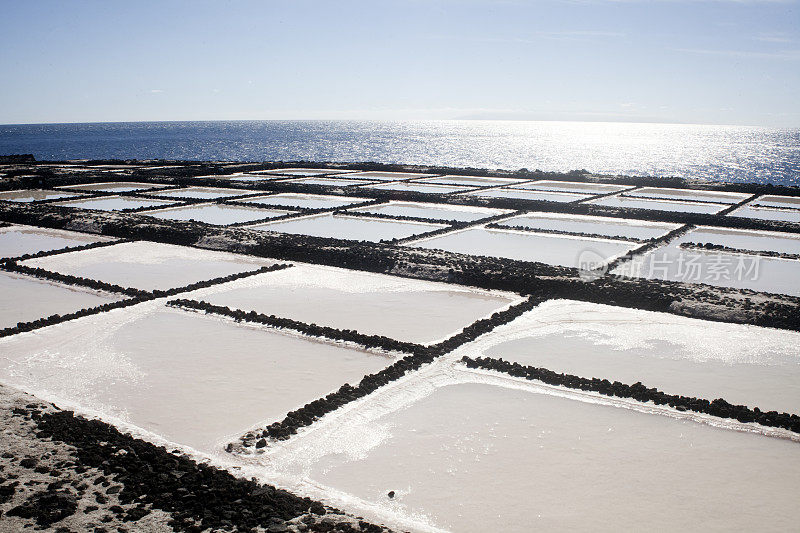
(156,91)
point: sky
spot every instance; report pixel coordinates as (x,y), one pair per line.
(684,61)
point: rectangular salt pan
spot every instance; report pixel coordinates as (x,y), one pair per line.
(203,193)
(114,203)
(218,214)
(432,211)
(743,364)
(374,304)
(388,176)
(474,457)
(350,228)
(20,240)
(308,201)
(611,227)
(689,194)
(303,171)
(524,246)
(331,182)
(35,195)
(417,187)
(771,200)
(766,213)
(742,271)
(660,205)
(149,265)
(471,181)
(519,194)
(26,299)
(193,379)
(572,187)
(114,186)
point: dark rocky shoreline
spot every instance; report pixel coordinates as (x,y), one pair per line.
(65,473)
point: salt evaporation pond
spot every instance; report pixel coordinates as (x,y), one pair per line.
(476,457)
(461,213)
(303,171)
(348,227)
(767,213)
(35,195)
(193,379)
(218,214)
(203,193)
(149,265)
(725,269)
(561,250)
(375,304)
(388,176)
(608,226)
(114,186)
(573,187)
(629,202)
(471,181)
(19,240)
(743,364)
(307,201)
(27,298)
(414,186)
(521,194)
(788,202)
(331,182)
(114,203)
(690,194)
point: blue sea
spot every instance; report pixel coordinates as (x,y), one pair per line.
(716,153)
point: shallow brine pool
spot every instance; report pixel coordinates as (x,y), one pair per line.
(149,265)
(114,203)
(332,182)
(388,176)
(743,271)
(20,240)
(480,457)
(573,187)
(193,379)
(25,299)
(471,181)
(767,213)
(35,195)
(690,194)
(552,249)
(743,364)
(414,186)
(303,171)
(459,213)
(307,201)
(203,193)
(218,214)
(790,202)
(611,227)
(374,304)
(347,227)
(114,186)
(660,205)
(521,194)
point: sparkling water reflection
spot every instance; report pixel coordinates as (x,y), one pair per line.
(722,153)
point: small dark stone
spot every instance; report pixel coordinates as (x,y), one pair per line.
(391,494)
